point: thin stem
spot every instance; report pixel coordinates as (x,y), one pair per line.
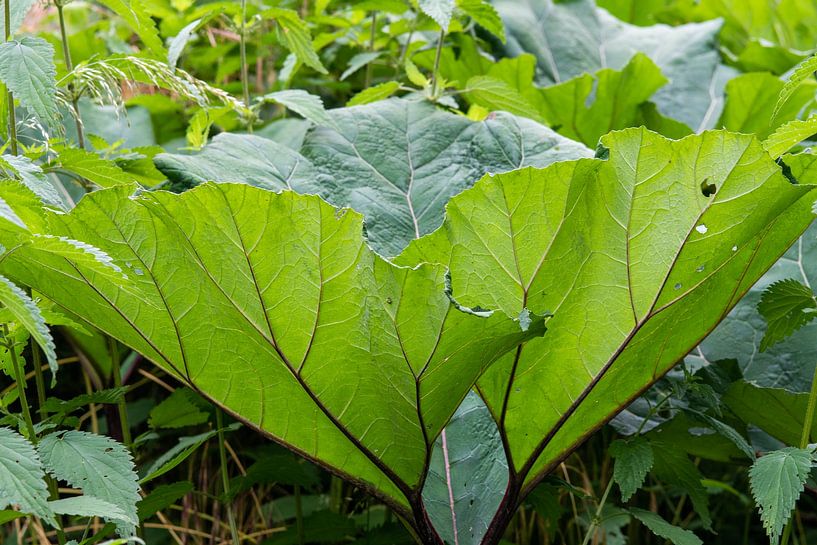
(39,379)
(435,75)
(225,476)
(245,84)
(372,36)
(805,435)
(69,66)
(122,406)
(299,515)
(19,378)
(12,117)
(591,530)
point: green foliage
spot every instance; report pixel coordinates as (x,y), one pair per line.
(777,481)
(27,69)
(28,315)
(22,477)
(101,467)
(634,459)
(662,528)
(787,306)
(178,411)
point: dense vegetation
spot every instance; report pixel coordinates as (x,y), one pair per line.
(402,271)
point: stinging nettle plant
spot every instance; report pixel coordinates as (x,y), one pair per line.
(273,306)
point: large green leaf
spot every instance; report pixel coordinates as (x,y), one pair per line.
(273,307)
(22,479)
(635,261)
(572,38)
(468,475)
(27,69)
(396,161)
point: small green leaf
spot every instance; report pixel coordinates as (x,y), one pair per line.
(177,411)
(179,41)
(495,94)
(139,21)
(299,101)
(373,94)
(801,72)
(89,506)
(673,466)
(296,36)
(21,168)
(162,497)
(634,459)
(786,306)
(662,528)
(94,168)
(100,466)
(788,135)
(27,69)
(777,480)
(22,477)
(439,10)
(485,15)
(178,454)
(28,315)
(414,75)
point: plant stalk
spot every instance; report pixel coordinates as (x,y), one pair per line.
(245,84)
(122,406)
(69,66)
(435,76)
(10,96)
(591,530)
(299,515)
(19,378)
(368,80)
(225,476)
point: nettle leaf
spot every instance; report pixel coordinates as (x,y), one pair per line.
(307,335)
(789,135)
(801,73)
(495,94)
(27,69)
(439,10)
(662,528)
(89,506)
(28,315)
(634,459)
(573,38)
(777,480)
(467,476)
(593,243)
(19,9)
(786,306)
(139,21)
(374,93)
(485,15)
(296,36)
(98,465)
(396,161)
(22,479)
(20,167)
(92,167)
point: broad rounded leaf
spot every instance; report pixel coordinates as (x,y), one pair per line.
(273,307)
(635,261)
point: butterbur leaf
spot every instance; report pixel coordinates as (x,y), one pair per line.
(777,480)
(98,465)
(396,161)
(662,528)
(27,69)
(786,306)
(468,475)
(22,479)
(591,242)
(777,411)
(28,315)
(572,38)
(634,460)
(316,327)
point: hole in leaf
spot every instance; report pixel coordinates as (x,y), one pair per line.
(708,188)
